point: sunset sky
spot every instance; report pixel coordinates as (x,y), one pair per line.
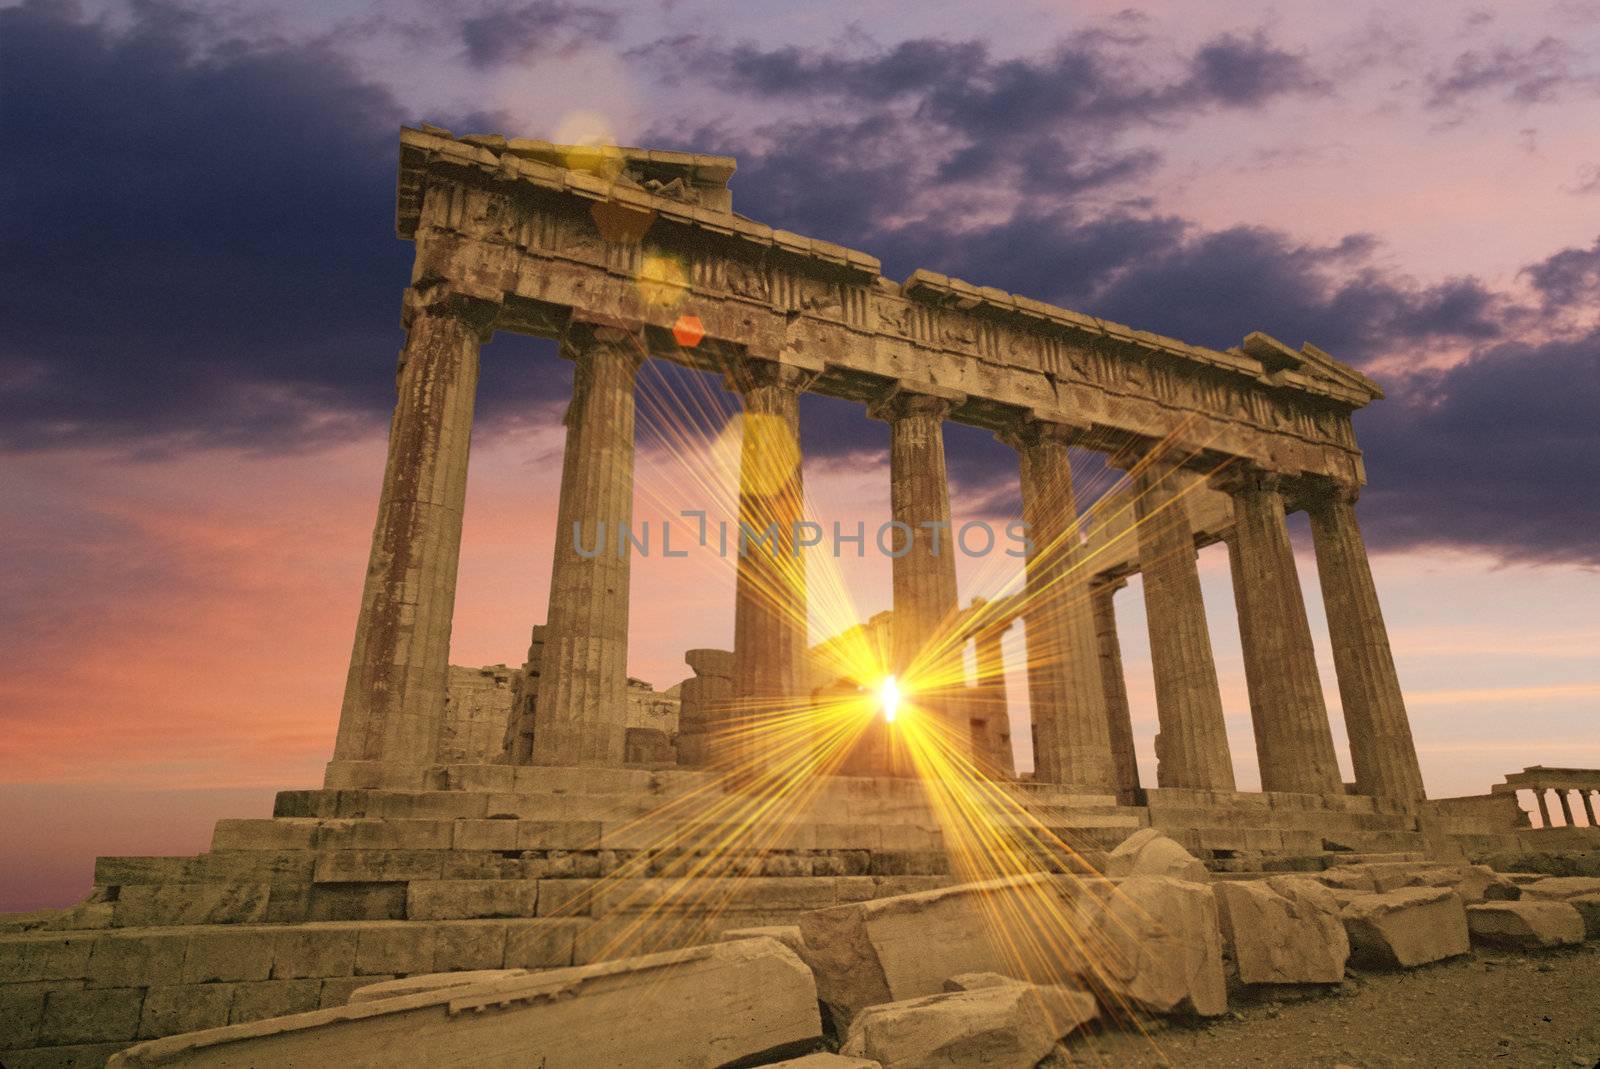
(201,287)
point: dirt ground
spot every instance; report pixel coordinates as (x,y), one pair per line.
(1504,1010)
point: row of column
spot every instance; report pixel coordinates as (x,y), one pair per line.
(400,661)
(1563,796)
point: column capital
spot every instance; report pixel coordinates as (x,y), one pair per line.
(1108,582)
(615,335)
(914,399)
(1030,431)
(752,373)
(1311,491)
(1241,476)
(477,309)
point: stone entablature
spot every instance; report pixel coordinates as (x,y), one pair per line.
(509,229)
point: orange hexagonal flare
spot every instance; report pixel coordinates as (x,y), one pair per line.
(688,331)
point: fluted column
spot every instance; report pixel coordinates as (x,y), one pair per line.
(1294,743)
(1192,744)
(399,667)
(769,621)
(1114,683)
(992,701)
(1544,807)
(1562,796)
(1381,748)
(1072,741)
(583,680)
(926,651)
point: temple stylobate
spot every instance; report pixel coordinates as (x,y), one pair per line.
(580,244)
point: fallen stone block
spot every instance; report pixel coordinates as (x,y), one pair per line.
(1348,878)
(1010,1026)
(1154,942)
(1284,930)
(1588,907)
(1406,928)
(1527,924)
(740,1001)
(435,981)
(823,1060)
(1147,852)
(1479,883)
(904,946)
(1561,888)
(975,981)
(787,934)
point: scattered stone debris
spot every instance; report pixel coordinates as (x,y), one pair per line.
(1528,924)
(1408,927)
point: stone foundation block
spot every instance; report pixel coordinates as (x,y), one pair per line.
(357,902)
(1406,928)
(747,1002)
(225,955)
(100,1015)
(166,905)
(402,948)
(314,952)
(1527,924)
(273,998)
(276,834)
(337,990)
(75,1056)
(29,957)
(485,835)
(469,945)
(184,1008)
(541,944)
(378,866)
(459,899)
(143,959)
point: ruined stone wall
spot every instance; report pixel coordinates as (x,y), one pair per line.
(476,709)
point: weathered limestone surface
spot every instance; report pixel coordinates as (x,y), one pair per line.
(1405,928)
(769,627)
(703,704)
(1114,683)
(1011,1025)
(1147,852)
(1526,923)
(1192,745)
(1381,747)
(749,997)
(1156,944)
(1588,907)
(1294,743)
(400,663)
(583,678)
(1562,888)
(925,651)
(1067,700)
(1283,930)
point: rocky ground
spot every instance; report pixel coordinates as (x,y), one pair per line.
(1499,1009)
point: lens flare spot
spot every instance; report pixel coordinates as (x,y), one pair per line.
(662,281)
(889,698)
(688,331)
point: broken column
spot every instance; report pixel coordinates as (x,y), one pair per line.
(399,667)
(1067,702)
(1382,751)
(583,680)
(1294,743)
(702,705)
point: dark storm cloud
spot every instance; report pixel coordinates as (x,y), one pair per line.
(510,33)
(1526,75)
(1501,452)
(200,237)
(1569,278)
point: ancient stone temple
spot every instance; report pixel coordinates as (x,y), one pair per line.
(533,819)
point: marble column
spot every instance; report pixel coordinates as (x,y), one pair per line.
(926,651)
(993,704)
(1072,741)
(399,667)
(769,620)
(1294,743)
(1381,748)
(1192,745)
(1544,807)
(583,680)
(1114,683)
(1588,806)
(1562,796)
